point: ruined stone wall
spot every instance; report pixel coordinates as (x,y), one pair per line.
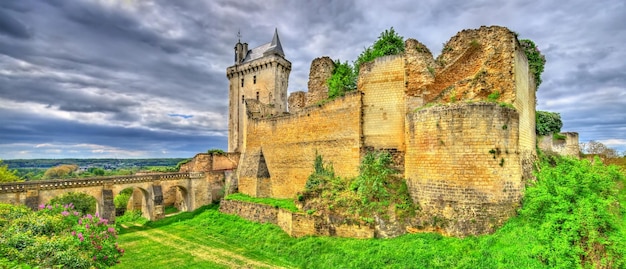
(382,83)
(297,100)
(296,224)
(204,162)
(320,71)
(289,144)
(569,146)
(463,167)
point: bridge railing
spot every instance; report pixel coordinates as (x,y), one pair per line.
(92,181)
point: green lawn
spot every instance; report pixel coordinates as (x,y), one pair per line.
(209,239)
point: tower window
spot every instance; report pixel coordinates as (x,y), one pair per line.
(242,82)
(254,80)
(242,99)
(257,96)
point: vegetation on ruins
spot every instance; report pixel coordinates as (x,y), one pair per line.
(548,122)
(375,192)
(344,76)
(7,175)
(536,60)
(389,43)
(342,80)
(55,236)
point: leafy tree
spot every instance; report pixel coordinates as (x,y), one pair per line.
(548,122)
(60,171)
(595,147)
(96,171)
(388,43)
(82,202)
(342,80)
(536,60)
(7,175)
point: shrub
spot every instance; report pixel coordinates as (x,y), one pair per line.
(82,202)
(56,236)
(342,80)
(388,43)
(573,205)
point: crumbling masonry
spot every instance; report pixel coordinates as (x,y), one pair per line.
(463,125)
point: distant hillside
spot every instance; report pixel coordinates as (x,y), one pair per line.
(103,163)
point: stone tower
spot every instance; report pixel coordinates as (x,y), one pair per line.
(259,76)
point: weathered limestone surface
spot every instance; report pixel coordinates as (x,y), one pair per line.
(320,71)
(294,224)
(466,159)
(289,144)
(569,146)
(463,166)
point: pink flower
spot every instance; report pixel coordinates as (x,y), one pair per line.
(80,222)
(87,226)
(65,213)
(42,206)
(111,230)
(49,207)
(73,233)
(76,213)
(94,258)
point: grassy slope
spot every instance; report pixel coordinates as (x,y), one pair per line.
(268,244)
(188,239)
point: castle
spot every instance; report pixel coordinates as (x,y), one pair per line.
(461,127)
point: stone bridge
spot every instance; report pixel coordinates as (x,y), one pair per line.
(150,191)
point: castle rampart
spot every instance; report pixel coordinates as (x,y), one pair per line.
(462,125)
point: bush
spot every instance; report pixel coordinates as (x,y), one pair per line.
(56,236)
(342,80)
(84,203)
(388,43)
(574,208)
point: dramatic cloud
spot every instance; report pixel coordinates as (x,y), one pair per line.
(147,78)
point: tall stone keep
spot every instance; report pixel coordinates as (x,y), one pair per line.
(259,75)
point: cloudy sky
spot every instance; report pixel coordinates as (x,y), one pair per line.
(143,78)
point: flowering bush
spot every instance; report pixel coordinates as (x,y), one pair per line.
(57,235)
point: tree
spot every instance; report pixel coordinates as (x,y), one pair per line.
(595,147)
(60,171)
(342,80)
(7,175)
(388,43)
(548,123)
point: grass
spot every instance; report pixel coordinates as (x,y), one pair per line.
(286,204)
(207,238)
(208,231)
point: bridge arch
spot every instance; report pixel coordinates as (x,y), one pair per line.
(194,185)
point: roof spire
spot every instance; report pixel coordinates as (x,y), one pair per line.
(238,35)
(275,45)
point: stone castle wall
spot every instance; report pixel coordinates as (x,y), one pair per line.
(295,224)
(290,143)
(382,83)
(462,166)
(568,146)
(465,160)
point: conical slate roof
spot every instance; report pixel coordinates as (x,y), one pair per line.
(273,47)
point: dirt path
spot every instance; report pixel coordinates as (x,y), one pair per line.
(203,252)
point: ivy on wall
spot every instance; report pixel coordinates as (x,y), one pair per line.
(536,60)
